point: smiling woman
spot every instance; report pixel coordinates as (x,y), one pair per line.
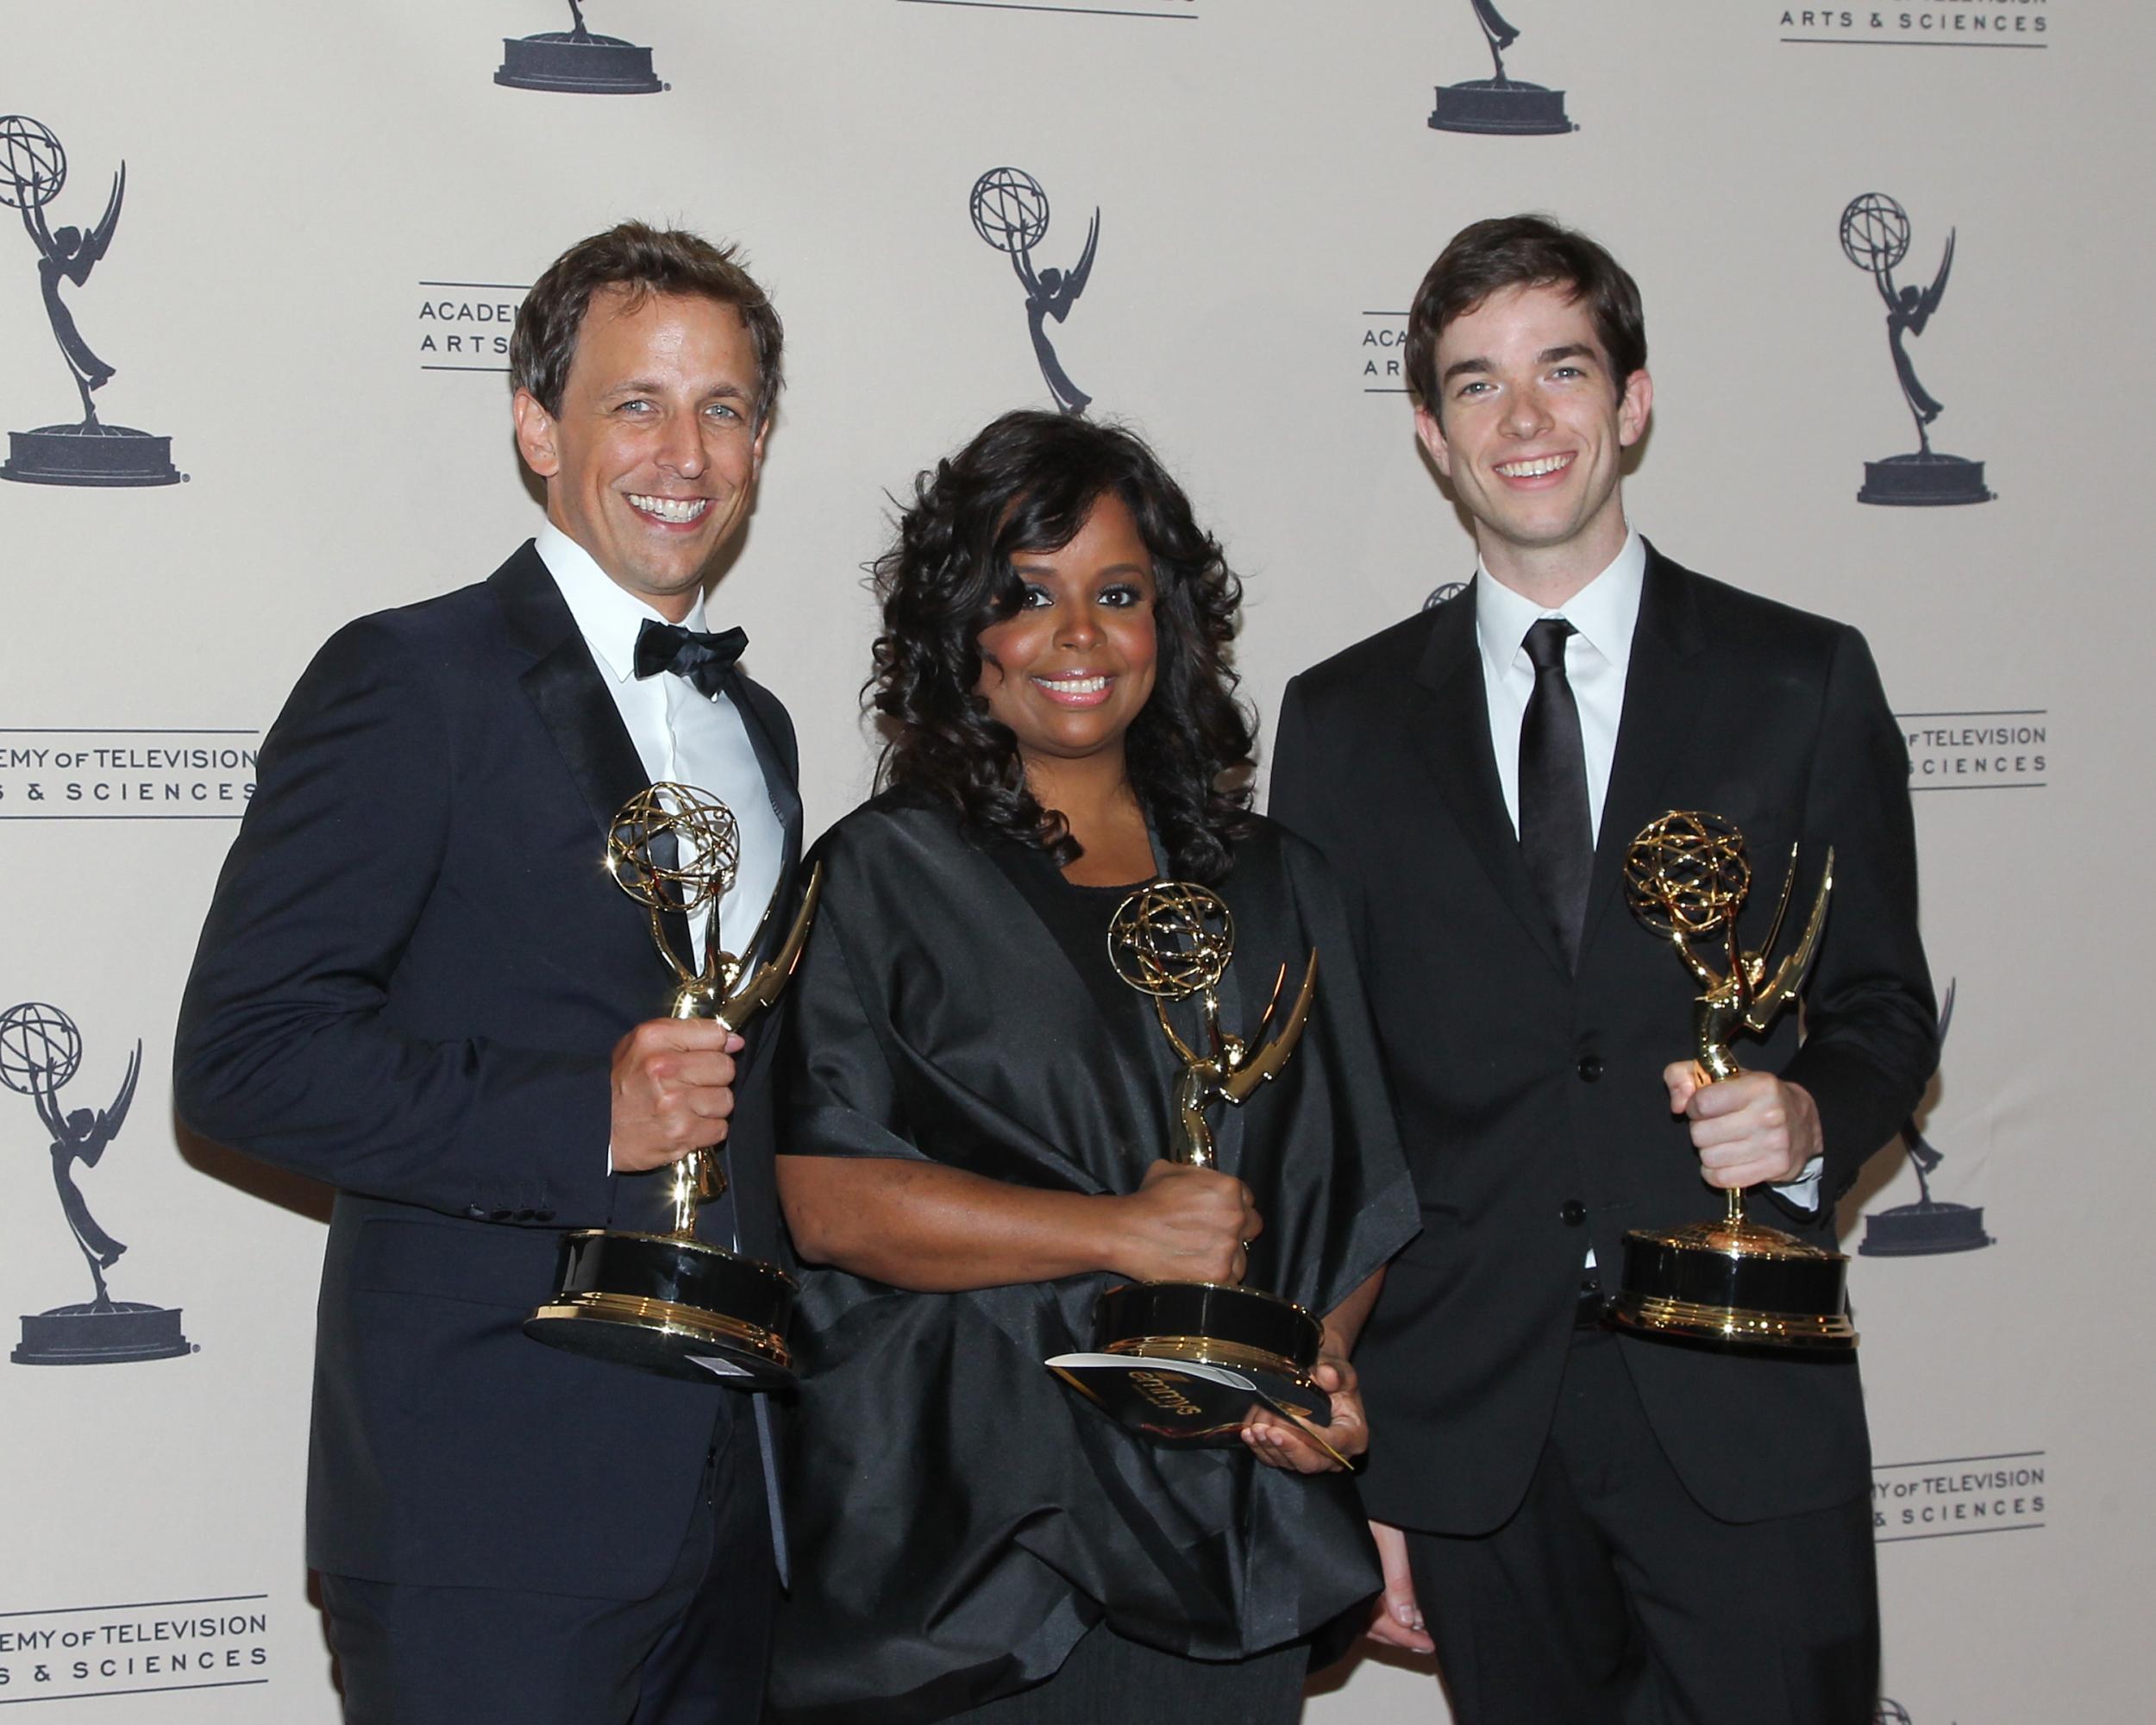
(1051,553)
(978,1112)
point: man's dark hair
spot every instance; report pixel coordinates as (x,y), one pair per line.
(1027,483)
(638,261)
(1523,251)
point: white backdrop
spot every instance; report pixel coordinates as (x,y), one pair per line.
(298,179)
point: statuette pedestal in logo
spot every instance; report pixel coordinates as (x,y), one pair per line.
(577,61)
(1730,1282)
(90,1334)
(93,454)
(1924,479)
(1184,1363)
(664,1302)
(1501,108)
(1920,1229)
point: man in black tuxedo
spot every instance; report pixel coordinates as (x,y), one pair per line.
(1598,1528)
(416,983)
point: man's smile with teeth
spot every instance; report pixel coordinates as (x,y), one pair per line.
(1535,468)
(670,508)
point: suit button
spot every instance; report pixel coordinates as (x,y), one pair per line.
(1573,1213)
(1590,1068)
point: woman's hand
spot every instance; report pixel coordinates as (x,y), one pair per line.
(1184,1224)
(1395,1618)
(1283,1443)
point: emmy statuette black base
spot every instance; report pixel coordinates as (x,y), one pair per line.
(1923,481)
(89,455)
(1920,1230)
(1271,1342)
(101,1334)
(1742,1287)
(1499,108)
(661,1303)
(582,65)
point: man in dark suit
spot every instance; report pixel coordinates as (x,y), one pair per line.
(1596,1526)
(417,984)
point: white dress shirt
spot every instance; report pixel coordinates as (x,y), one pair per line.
(681,735)
(1597,655)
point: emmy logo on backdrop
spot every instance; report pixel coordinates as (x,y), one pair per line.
(1730,1282)
(1874,236)
(1443,593)
(578,61)
(1184,1363)
(1929,1225)
(1498,105)
(40,1049)
(33,171)
(1010,212)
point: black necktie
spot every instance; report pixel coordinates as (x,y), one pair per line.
(705,660)
(1556,838)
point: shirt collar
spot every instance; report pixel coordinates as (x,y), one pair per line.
(1604,611)
(607,614)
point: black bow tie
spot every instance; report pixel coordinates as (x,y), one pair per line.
(705,660)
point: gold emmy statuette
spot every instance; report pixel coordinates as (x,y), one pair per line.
(1185,1362)
(667,1302)
(1728,1282)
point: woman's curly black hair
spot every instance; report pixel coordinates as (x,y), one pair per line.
(1026,483)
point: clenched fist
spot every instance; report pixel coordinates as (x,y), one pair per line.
(673,1087)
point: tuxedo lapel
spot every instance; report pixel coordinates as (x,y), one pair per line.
(1662,696)
(1447,725)
(563,684)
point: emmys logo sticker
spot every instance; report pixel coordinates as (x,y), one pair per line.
(2004,749)
(180,774)
(1381,353)
(465,326)
(41,1053)
(1960,1495)
(1151,10)
(1874,236)
(1919,23)
(1498,105)
(1010,213)
(577,62)
(70,1652)
(95,452)
(1930,1225)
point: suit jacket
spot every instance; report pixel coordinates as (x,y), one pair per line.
(410,985)
(1530,1096)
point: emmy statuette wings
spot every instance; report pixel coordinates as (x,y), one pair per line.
(1729,1282)
(1185,1362)
(671,1302)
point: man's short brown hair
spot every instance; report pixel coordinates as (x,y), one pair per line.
(1523,251)
(639,260)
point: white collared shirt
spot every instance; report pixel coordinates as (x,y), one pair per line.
(679,735)
(1597,656)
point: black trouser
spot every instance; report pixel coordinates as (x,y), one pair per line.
(1611,1596)
(1109,1678)
(693,1654)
